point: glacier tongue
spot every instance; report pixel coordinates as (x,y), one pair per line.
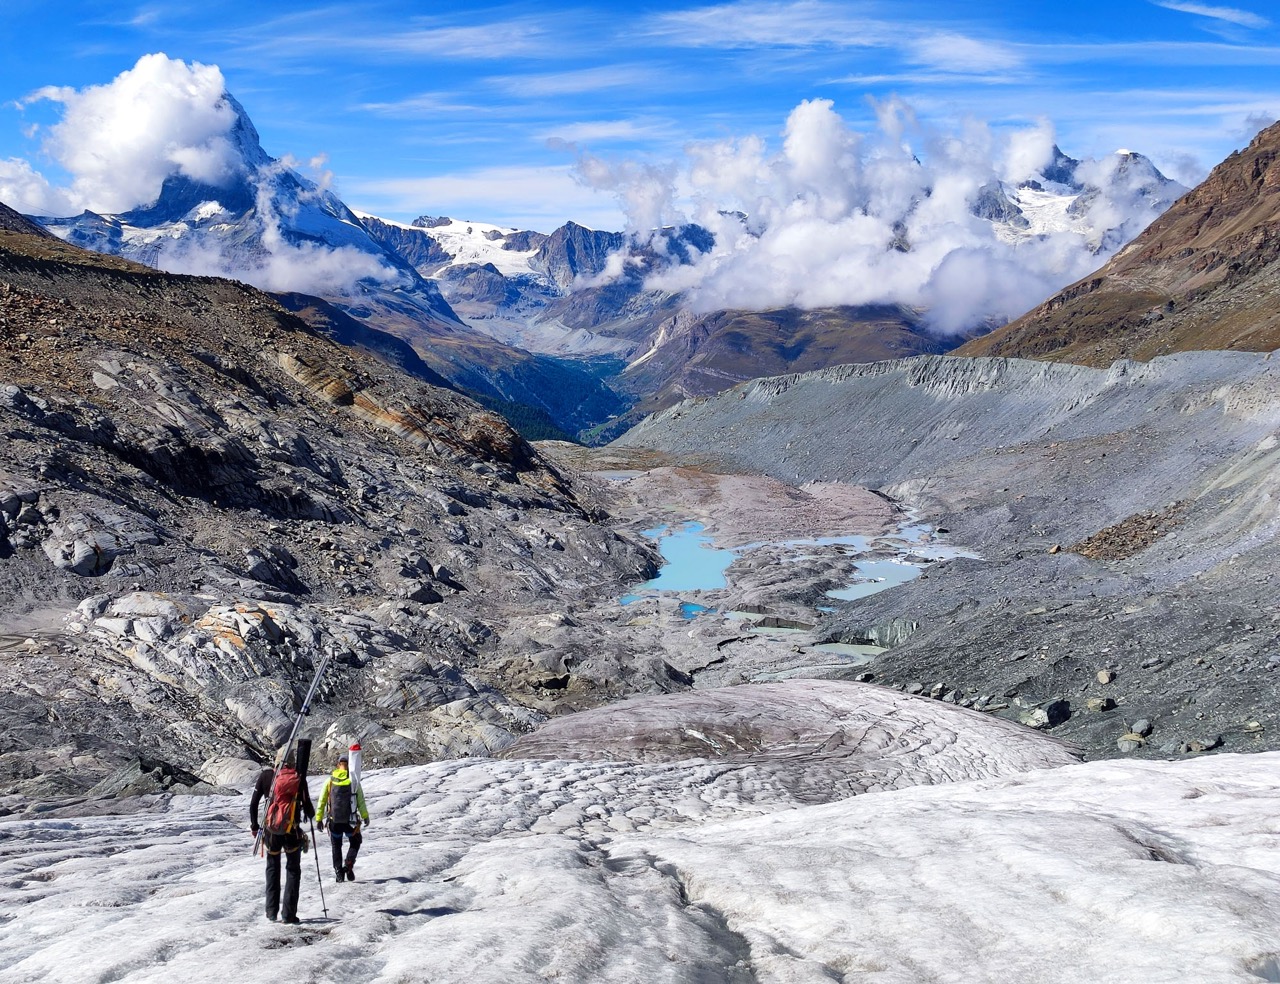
(606,871)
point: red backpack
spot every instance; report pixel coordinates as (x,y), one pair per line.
(282,805)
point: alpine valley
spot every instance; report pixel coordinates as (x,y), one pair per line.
(982,687)
(579,331)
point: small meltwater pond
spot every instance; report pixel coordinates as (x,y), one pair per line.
(694,563)
(878,575)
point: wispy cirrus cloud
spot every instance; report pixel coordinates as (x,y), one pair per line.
(301,35)
(581,80)
(525,37)
(1197,54)
(806,23)
(586,132)
(816,24)
(930,78)
(425,104)
(1231,15)
(959,54)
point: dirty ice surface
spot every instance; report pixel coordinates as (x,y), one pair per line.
(980,853)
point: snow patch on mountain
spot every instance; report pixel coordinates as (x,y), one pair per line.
(472,242)
(1045,211)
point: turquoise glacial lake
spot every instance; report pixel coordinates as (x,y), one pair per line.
(692,562)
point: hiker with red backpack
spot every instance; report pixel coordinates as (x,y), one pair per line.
(342,807)
(288,806)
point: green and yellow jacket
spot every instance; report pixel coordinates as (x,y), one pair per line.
(337,799)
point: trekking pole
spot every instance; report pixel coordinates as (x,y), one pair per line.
(315,850)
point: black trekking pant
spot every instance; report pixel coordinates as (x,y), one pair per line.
(290,845)
(336,830)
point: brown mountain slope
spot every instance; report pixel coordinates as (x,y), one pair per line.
(11,221)
(693,356)
(1205,275)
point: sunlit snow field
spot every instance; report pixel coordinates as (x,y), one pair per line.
(621,866)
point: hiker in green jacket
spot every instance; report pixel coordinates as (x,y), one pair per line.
(343,808)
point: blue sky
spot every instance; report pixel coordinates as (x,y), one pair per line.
(489,111)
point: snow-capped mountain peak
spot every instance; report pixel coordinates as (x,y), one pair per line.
(265,224)
(244,137)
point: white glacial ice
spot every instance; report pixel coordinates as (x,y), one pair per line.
(618,859)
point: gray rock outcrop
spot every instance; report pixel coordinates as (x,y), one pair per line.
(202,501)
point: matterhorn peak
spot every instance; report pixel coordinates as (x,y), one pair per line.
(244,137)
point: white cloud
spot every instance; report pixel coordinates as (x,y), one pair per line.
(486,41)
(348,28)
(802,24)
(27,191)
(281,264)
(612,130)
(425,105)
(306,268)
(957,53)
(1231,15)
(839,217)
(645,191)
(578,81)
(119,141)
(929,78)
(1256,122)
(1028,151)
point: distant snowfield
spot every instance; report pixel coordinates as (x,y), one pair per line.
(710,870)
(472,242)
(1046,213)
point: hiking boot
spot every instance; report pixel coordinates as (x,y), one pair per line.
(351,872)
(291,920)
(271,916)
(339,874)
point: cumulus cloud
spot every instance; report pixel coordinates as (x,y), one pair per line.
(1027,152)
(1255,123)
(645,191)
(305,268)
(28,191)
(119,141)
(840,217)
(281,263)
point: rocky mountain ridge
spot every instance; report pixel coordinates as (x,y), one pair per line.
(529,322)
(202,500)
(269,225)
